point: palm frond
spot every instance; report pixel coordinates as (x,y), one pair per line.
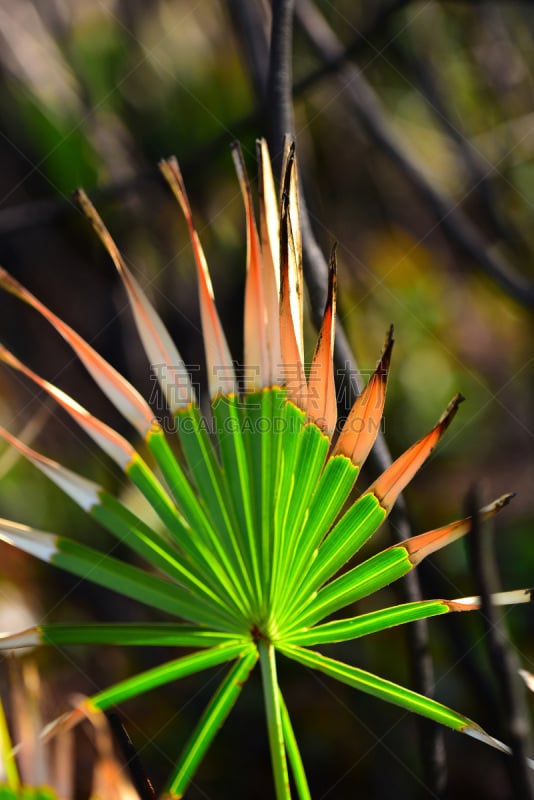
(257,523)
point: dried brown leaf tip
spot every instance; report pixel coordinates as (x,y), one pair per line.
(361,427)
(419,547)
(322,400)
(389,485)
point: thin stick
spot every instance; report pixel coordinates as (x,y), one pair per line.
(511,701)
(279,100)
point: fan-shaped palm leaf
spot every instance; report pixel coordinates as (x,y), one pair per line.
(250,558)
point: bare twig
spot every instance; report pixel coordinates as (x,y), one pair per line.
(370,114)
(251,34)
(511,693)
(140,779)
(279,101)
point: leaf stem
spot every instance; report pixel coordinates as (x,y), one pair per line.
(213,718)
(293,753)
(274,720)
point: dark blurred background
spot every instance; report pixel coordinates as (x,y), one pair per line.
(417,152)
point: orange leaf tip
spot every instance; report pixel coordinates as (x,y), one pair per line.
(66,721)
(419,547)
(291,192)
(256,332)
(121,393)
(269,217)
(292,368)
(221,376)
(390,484)
(105,437)
(290,242)
(322,399)
(361,427)
(163,355)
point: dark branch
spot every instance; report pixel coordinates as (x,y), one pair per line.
(140,779)
(278,97)
(503,661)
(250,32)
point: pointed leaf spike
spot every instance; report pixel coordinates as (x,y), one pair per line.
(511,598)
(32,637)
(419,547)
(164,357)
(391,483)
(361,427)
(270,252)
(121,393)
(257,373)
(291,192)
(478,733)
(528,679)
(292,367)
(37,543)
(322,401)
(221,376)
(393,693)
(105,437)
(80,489)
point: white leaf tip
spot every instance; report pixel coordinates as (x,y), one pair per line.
(14,641)
(37,543)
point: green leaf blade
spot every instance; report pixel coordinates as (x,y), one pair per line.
(151,546)
(142,476)
(196,542)
(227,412)
(212,719)
(167,673)
(379,687)
(294,421)
(361,581)
(311,455)
(351,532)
(133,582)
(349,629)
(332,492)
(131,633)
(207,473)
(293,754)
(8,757)
(263,417)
